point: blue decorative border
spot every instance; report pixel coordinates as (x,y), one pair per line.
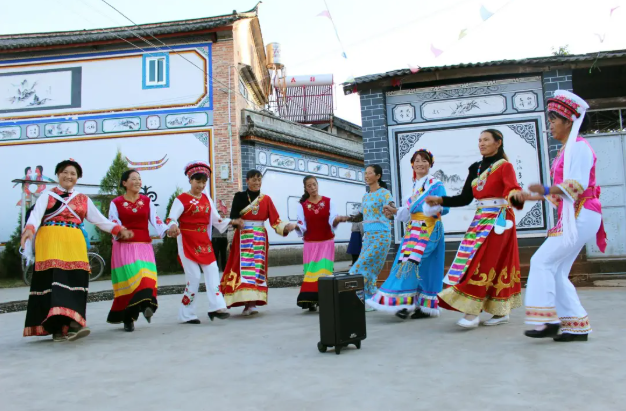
(144,58)
(114,53)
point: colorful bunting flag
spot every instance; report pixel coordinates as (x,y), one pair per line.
(462,34)
(325,13)
(435,51)
(344,55)
(613,9)
(484,13)
(414,69)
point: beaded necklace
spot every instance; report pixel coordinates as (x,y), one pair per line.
(255,208)
(481,183)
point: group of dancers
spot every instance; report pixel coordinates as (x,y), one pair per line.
(484,275)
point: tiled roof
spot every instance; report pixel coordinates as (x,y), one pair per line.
(526,61)
(17,41)
(268,126)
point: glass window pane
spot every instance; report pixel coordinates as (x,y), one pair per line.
(603,121)
(161,69)
(151,71)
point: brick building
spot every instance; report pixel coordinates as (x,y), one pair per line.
(162,94)
(445,108)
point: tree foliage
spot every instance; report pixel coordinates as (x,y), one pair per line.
(10,259)
(561,51)
(109,189)
(167,251)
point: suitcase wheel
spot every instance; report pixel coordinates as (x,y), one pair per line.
(358,345)
(321,347)
(338,349)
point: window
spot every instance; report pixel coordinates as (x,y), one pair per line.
(156,67)
(604,121)
(242,88)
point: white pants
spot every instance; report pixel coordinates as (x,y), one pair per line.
(187,309)
(550,295)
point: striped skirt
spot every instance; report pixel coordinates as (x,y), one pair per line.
(134,278)
(319,260)
(58,291)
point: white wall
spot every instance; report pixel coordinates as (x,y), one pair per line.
(95,157)
(108,83)
(286,188)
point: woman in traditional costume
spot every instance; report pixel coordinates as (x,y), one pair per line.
(317,220)
(377,229)
(244,282)
(57,303)
(133,267)
(192,216)
(417,273)
(485,274)
(551,300)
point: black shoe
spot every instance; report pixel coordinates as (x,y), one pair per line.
(130,327)
(403,313)
(196,321)
(148,313)
(313,307)
(220,315)
(419,314)
(551,330)
(570,337)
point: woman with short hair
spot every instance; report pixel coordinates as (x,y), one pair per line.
(57,303)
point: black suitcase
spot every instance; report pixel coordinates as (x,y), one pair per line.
(342,312)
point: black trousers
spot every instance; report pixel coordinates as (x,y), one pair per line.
(219,248)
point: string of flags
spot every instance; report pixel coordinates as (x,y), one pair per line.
(485,14)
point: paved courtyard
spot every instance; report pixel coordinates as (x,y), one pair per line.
(271,362)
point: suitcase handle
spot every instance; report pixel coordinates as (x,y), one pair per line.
(351,284)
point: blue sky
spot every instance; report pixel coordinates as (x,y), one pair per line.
(377,35)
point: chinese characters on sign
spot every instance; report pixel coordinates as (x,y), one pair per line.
(526,101)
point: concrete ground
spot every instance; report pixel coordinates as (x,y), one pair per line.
(21,293)
(270,362)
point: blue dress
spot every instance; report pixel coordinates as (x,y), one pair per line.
(417,273)
(376,239)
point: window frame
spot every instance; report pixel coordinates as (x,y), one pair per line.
(156,57)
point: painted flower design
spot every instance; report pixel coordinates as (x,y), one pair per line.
(186,300)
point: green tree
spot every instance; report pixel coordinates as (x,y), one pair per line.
(561,51)
(109,189)
(10,259)
(167,252)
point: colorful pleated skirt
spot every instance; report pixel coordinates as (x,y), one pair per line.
(60,284)
(319,261)
(134,278)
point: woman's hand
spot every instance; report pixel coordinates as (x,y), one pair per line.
(27,235)
(389,211)
(237,223)
(289,228)
(173,231)
(536,188)
(339,219)
(126,234)
(433,201)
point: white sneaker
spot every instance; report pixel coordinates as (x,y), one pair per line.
(497,321)
(253,310)
(467,323)
(246,311)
